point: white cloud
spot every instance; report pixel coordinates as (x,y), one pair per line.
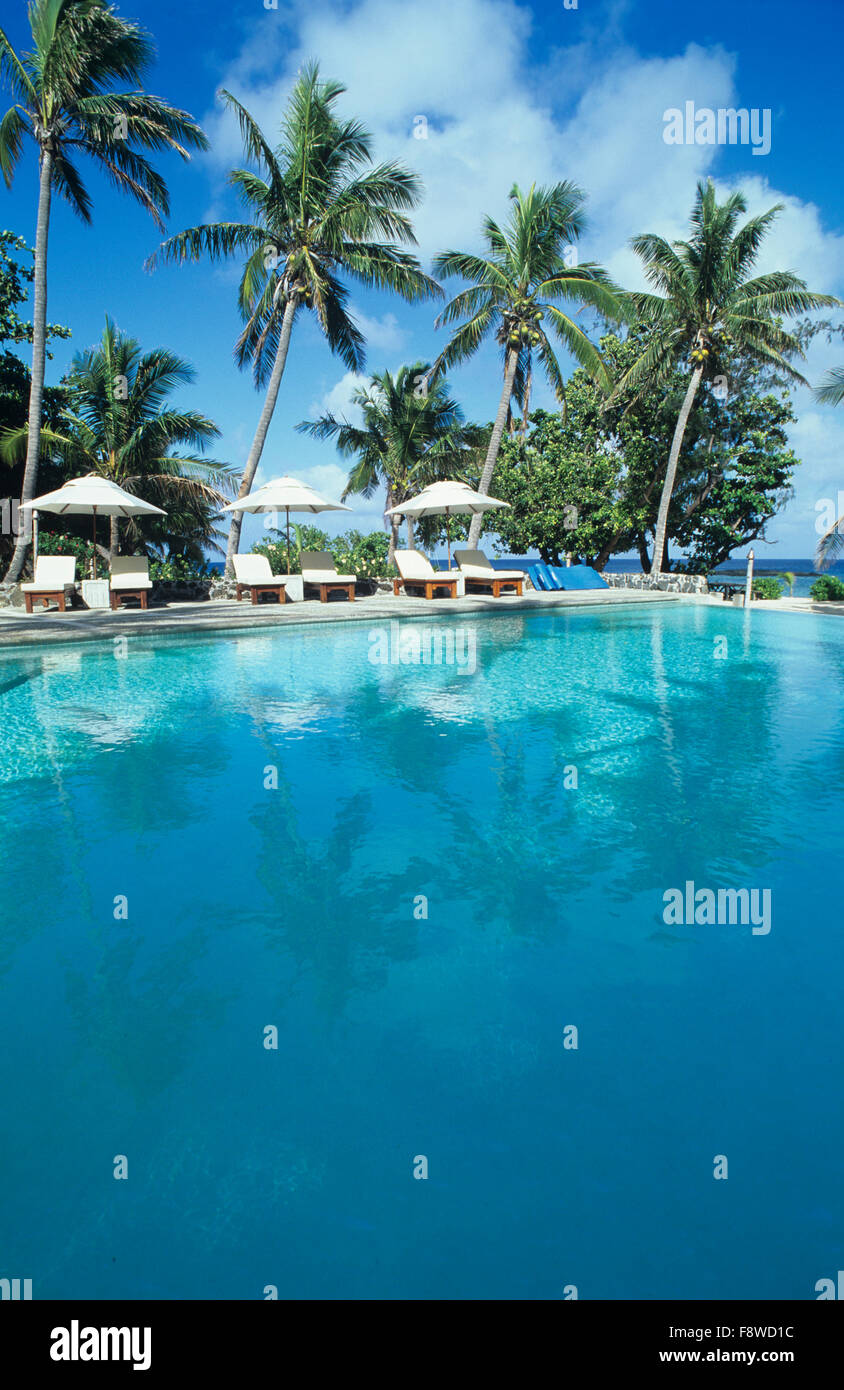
(338,400)
(383,332)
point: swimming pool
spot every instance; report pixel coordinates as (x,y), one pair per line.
(423,876)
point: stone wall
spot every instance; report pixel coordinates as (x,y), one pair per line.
(667,583)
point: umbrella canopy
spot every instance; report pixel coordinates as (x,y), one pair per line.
(91,495)
(447,499)
(80,496)
(285,495)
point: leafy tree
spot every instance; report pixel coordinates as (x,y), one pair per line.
(413,434)
(589,484)
(119,423)
(319,210)
(64,101)
(705,307)
(515,290)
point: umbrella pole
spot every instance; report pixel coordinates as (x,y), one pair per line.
(448,538)
(287,510)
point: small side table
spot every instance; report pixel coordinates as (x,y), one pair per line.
(95,593)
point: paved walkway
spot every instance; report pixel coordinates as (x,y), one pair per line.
(226,615)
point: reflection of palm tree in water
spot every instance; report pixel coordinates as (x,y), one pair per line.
(343,922)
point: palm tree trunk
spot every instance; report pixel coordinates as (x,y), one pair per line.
(494,443)
(411,539)
(39,349)
(263,426)
(113,538)
(394,540)
(671,471)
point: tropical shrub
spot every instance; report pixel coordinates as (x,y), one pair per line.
(352,553)
(365,556)
(827,589)
(768,587)
(59,543)
(178,567)
(301,538)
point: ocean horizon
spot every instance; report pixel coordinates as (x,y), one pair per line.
(803,568)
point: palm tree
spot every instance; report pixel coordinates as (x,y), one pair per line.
(63,100)
(119,424)
(514,289)
(317,209)
(412,434)
(706,304)
(830,545)
(831,389)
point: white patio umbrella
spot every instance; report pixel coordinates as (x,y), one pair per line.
(288,495)
(90,495)
(447,499)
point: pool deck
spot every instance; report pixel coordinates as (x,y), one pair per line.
(226,615)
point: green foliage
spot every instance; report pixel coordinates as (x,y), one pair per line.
(61,543)
(413,433)
(517,290)
(363,555)
(565,493)
(768,587)
(828,589)
(318,207)
(788,579)
(178,567)
(590,483)
(64,99)
(301,538)
(352,553)
(118,421)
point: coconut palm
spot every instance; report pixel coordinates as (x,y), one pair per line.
(831,392)
(515,289)
(63,99)
(120,424)
(705,304)
(413,433)
(318,210)
(831,389)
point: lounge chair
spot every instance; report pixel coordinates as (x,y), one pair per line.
(129,578)
(253,572)
(318,569)
(417,572)
(54,575)
(578,577)
(541,578)
(478,573)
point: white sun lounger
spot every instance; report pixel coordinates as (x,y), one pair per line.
(480,574)
(417,572)
(54,575)
(318,569)
(253,572)
(129,578)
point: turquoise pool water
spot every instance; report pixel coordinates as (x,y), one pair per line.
(707,746)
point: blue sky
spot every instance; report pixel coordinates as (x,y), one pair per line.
(509,92)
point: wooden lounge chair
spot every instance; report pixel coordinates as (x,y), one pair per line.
(417,572)
(129,578)
(253,572)
(479,573)
(318,569)
(54,575)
